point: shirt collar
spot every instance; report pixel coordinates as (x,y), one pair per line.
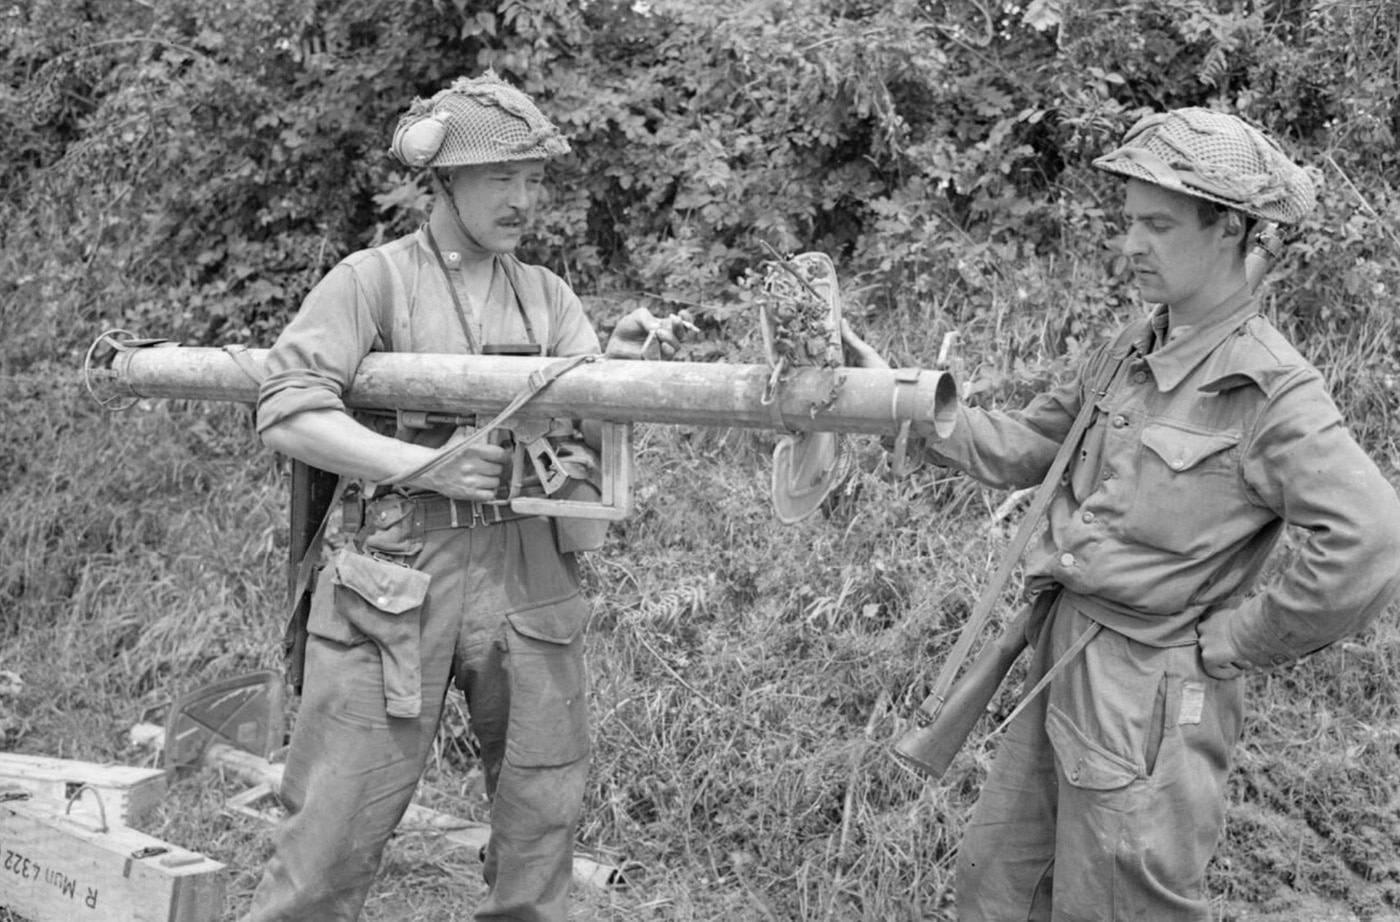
(453,259)
(1176,357)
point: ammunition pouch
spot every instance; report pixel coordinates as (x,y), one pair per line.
(364,598)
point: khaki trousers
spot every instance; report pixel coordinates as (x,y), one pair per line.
(502,618)
(1106,797)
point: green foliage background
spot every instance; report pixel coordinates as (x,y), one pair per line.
(190,168)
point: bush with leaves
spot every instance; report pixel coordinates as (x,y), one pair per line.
(194,168)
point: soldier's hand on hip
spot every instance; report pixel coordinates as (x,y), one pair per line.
(1220,657)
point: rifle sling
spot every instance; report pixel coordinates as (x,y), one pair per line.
(1046,492)
(1079,644)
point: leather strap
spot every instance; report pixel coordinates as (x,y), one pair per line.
(1065,659)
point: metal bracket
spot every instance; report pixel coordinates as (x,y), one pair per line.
(615,502)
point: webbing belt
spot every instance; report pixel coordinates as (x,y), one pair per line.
(433,513)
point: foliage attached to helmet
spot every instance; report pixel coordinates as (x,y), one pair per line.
(474,121)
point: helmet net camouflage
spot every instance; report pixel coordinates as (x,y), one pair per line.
(1217,157)
(474,121)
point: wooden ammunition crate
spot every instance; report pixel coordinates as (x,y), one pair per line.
(58,867)
(127,793)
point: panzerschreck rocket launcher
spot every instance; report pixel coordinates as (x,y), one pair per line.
(850,400)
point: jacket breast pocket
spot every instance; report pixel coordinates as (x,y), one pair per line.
(1188,482)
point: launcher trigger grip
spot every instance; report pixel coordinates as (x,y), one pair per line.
(548,467)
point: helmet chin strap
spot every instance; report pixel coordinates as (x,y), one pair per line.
(457,215)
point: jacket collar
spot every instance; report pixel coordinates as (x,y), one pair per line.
(1172,361)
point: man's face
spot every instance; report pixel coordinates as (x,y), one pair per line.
(1175,260)
(497,200)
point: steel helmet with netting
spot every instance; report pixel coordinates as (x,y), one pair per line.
(1217,157)
(475,120)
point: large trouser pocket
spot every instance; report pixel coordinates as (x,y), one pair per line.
(1142,764)
(362,599)
(1086,764)
(548,723)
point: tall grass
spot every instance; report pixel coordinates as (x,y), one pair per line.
(139,556)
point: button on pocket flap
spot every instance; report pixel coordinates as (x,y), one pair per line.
(1086,764)
(553,622)
(1183,449)
(389,587)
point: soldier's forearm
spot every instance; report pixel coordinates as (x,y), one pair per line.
(333,441)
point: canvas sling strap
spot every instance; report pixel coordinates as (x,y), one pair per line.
(1046,492)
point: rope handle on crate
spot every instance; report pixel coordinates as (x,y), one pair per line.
(101,808)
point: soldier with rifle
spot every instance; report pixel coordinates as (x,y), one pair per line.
(1187,445)
(428,580)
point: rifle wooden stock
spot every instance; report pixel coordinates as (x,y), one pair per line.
(930,749)
(853,400)
(312,492)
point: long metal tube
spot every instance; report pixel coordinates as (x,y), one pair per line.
(852,400)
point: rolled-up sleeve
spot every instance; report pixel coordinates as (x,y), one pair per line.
(318,353)
(1306,467)
(573,333)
